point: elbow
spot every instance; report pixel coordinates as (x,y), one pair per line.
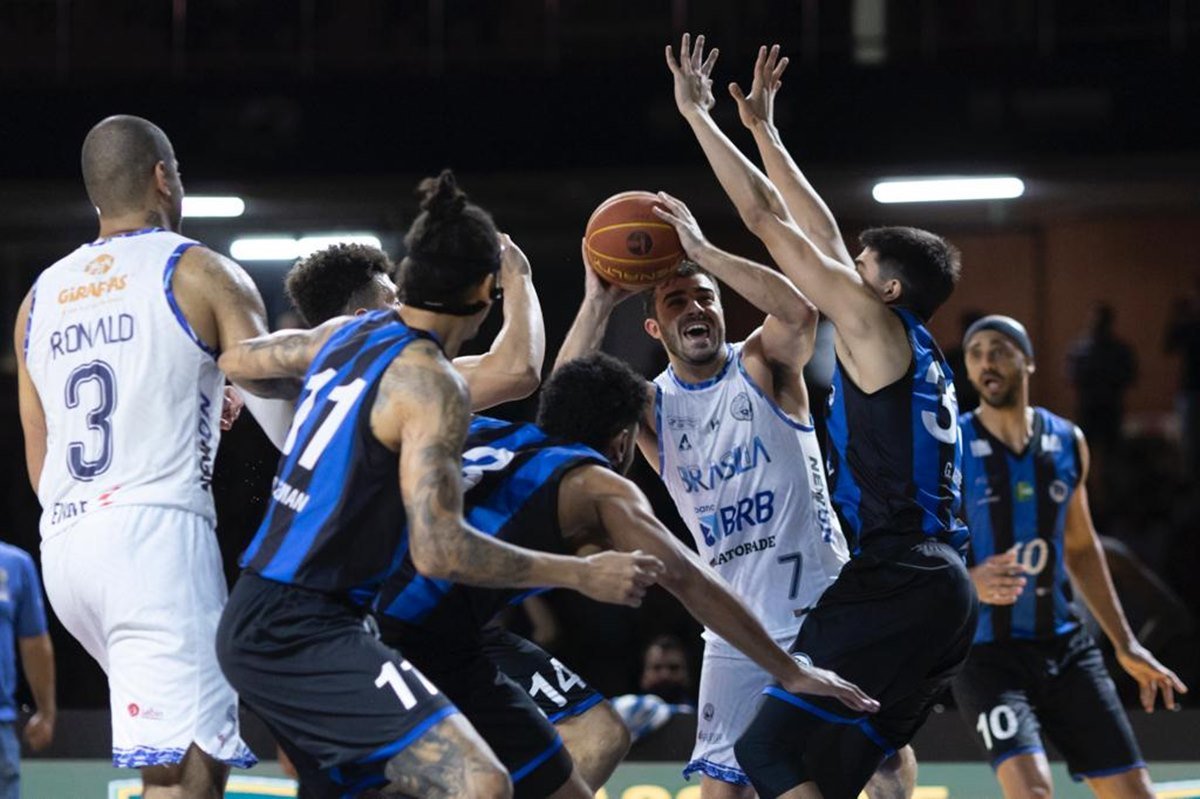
(758,218)
(428,560)
(526,381)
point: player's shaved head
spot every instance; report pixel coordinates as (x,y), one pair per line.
(119,155)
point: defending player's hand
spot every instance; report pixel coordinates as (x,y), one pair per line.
(693,75)
(1151,677)
(821,682)
(620,577)
(597,289)
(513,261)
(758,107)
(231,407)
(676,214)
(999,580)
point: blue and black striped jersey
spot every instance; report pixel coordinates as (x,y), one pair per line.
(894,456)
(335,522)
(511,476)
(1020,499)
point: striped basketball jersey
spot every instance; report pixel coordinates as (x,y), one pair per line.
(1020,499)
(748,482)
(894,455)
(511,476)
(131,395)
(336,521)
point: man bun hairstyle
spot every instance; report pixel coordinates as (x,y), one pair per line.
(590,400)
(336,280)
(452,245)
(926,265)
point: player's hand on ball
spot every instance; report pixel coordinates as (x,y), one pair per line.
(821,682)
(39,731)
(676,214)
(693,75)
(620,577)
(231,407)
(1152,677)
(758,107)
(597,289)
(999,579)
(513,261)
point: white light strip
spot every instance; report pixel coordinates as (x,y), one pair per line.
(196,206)
(930,190)
(286,248)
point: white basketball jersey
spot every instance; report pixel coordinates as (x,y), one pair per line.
(749,482)
(131,395)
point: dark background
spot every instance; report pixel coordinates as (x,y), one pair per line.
(323,114)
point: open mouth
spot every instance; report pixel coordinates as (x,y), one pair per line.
(697,331)
(991,381)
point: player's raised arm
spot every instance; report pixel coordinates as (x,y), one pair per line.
(787,335)
(512,368)
(1084,559)
(33,416)
(757,112)
(272,365)
(625,517)
(421,411)
(834,287)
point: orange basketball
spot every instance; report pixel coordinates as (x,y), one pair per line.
(628,245)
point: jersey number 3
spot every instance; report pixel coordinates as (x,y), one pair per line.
(942,424)
(99,416)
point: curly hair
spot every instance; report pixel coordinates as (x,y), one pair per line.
(335,281)
(926,265)
(452,244)
(590,400)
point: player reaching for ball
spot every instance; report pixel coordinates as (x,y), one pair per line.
(900,616)
(727,427)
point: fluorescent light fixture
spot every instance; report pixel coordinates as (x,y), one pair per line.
(286,248)
(266,248)
(310,244)
(198,206)
(948,189)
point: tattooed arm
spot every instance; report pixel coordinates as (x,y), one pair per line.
(272,365)
(420,411)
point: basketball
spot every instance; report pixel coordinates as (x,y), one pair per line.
(628,245)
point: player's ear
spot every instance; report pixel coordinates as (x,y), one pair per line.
(162,179)
(359,311)
(891,290)
(1030,367)
(652,329)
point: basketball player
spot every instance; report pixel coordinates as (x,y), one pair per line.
(354,279)
(558,487)
(727,427)
(120,401)
(379,399)
(1033,664)
(899,618)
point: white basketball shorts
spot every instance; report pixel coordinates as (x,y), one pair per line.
(141,587)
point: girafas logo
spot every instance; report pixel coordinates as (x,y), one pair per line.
(99,266)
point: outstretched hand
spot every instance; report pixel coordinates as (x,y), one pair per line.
(822,682)
(676,214)
(513,262)
(693,75)
(1152,677)
(758,107)
(596,288)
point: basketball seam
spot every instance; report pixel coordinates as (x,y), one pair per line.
(642,261)
(616,225)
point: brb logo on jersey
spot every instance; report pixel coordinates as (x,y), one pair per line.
(730,520)
(738,460)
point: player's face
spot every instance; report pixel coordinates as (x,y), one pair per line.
(867,266)
(996,368)
(689,319)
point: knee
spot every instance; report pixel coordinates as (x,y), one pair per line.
(489,782)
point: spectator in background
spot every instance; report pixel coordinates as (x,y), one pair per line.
(1102,368)
(24,618)
(665,688)
(968,397)
(1183,337)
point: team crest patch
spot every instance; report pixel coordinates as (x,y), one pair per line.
(1059,491)
(1024,491)
(740,408)
(708,711)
